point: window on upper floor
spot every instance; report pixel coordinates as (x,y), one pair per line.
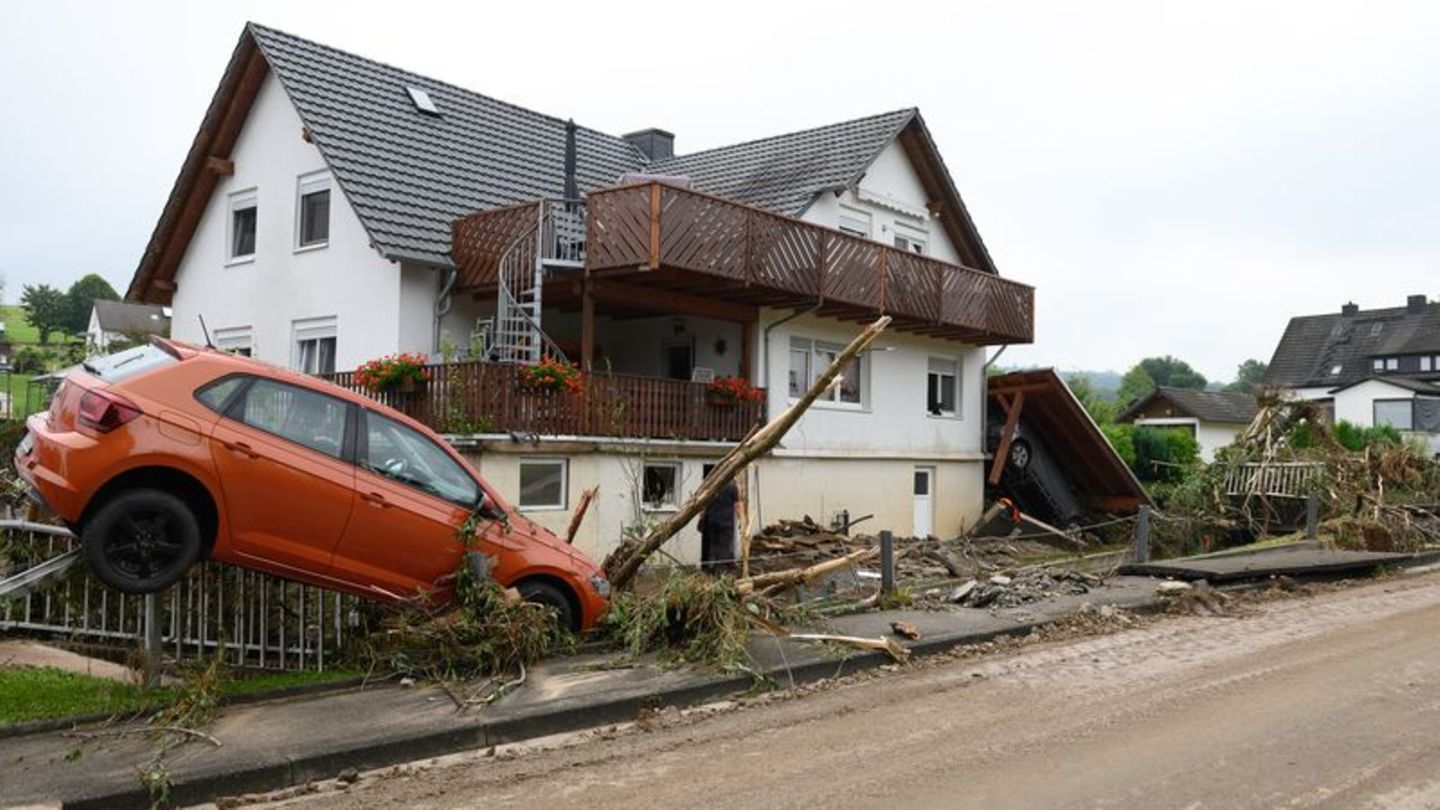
(315,345)
(1392,364)
(910,238)
(312,225)
(809,359)
(854,222)
(1396,413)
(1426,363)
(942,396)
(243,209)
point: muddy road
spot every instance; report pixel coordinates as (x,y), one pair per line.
(1329,700)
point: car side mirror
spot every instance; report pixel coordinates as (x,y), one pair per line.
(486,508)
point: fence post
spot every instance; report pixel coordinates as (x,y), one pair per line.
(1142,535)
(887,562)
(152,640)
(1312,516)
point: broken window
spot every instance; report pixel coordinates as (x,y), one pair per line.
(660,485)
(943,387)
(810,358)
(542,483)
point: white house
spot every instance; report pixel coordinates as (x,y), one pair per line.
(1368,367)
(333,209)
(1214,418)
(123,321)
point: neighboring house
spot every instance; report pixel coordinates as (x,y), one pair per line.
(333,209)
(1214,418)
(1368,367)
(124,321)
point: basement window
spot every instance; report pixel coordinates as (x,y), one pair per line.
(243,208)
(543,483)
(660,486)
(422,101)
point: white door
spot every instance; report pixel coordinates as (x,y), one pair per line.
(924,501)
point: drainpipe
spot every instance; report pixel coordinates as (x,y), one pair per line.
(443,302)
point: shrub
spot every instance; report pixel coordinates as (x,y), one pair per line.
(1355,438)
(1120,438)
(1163,454)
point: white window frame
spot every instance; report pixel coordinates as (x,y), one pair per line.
(957,385)
(239,201)
(1392,364)
(1425,363)
(234,339)
(564,502)
(856,222)
(310,184)
(817,364)
(908,238)
(662,506)
(308,329)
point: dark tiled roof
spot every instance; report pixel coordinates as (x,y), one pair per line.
(1315,346)
(1229,407)
(1408,383)
(408,173)
(132,319)
(785,173)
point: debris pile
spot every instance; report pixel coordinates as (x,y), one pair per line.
(1026,585)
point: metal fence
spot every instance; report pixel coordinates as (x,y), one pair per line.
(257,621)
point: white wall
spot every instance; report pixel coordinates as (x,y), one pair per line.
(1356,404)
(891,177)
(347,279)
(893,421)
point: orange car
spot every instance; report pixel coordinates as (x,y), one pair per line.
(166,454)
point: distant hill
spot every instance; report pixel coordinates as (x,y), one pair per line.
(1105,383)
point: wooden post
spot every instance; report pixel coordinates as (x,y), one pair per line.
(654,226)
(152,640)
(1012,419)
(887,562)
(1312,516)
(587,326)
(1142,535)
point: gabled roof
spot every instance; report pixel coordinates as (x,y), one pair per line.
(409,174)
(1405,383)
(129,318)
(1335,349)
(785,173)
(1227,407)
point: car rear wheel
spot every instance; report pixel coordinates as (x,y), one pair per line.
(142,541)
(1020,454)
(544,593)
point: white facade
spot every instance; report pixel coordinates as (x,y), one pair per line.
(1365,404)
(1210,436)
(375,306)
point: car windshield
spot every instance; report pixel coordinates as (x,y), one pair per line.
(113,368)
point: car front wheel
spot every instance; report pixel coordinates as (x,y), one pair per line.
(142,541)
(544,593)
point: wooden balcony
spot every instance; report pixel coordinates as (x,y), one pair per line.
(479,397)
(694,243)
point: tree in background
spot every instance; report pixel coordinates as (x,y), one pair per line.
(46,309)
(1248,376)
(1154,372)
(81,298)
(1100,409)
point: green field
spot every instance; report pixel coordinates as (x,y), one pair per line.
(17,331)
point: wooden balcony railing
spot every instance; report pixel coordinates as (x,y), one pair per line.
(480,397)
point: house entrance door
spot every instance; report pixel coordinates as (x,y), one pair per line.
(924,524)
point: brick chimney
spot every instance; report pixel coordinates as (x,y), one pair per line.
(1350,309)
(656,144)
(1415,304)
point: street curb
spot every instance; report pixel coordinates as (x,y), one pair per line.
(291,771)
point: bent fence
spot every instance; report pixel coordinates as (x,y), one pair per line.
(255,620)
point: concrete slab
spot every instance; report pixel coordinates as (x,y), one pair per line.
(1293,561)
(24,653)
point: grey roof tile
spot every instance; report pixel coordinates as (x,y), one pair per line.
(784,173)
(1315,346)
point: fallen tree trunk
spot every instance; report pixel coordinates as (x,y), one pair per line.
(798,576)
(580,510)
(623,563)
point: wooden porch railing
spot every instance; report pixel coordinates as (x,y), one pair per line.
(481,397)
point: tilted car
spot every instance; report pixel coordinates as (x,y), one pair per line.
(166,454)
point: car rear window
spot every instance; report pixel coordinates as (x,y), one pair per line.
(113,368)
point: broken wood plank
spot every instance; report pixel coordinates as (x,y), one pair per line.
(889,646)
(579,516)
(799,576)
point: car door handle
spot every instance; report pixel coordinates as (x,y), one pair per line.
(241,448)
(375,499)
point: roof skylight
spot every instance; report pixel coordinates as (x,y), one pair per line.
(422,101)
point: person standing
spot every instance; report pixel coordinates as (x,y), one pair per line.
(717,531)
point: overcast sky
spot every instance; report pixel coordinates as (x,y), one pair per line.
(1173,177)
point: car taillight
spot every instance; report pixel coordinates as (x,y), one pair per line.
(105,412)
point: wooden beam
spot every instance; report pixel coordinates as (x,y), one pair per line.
(222,167)
(654,226)
(587,324)
(646,297)
(1012,418)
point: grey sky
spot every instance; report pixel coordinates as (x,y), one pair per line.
(1173,177)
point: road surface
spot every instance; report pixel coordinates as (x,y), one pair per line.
(1323,701)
